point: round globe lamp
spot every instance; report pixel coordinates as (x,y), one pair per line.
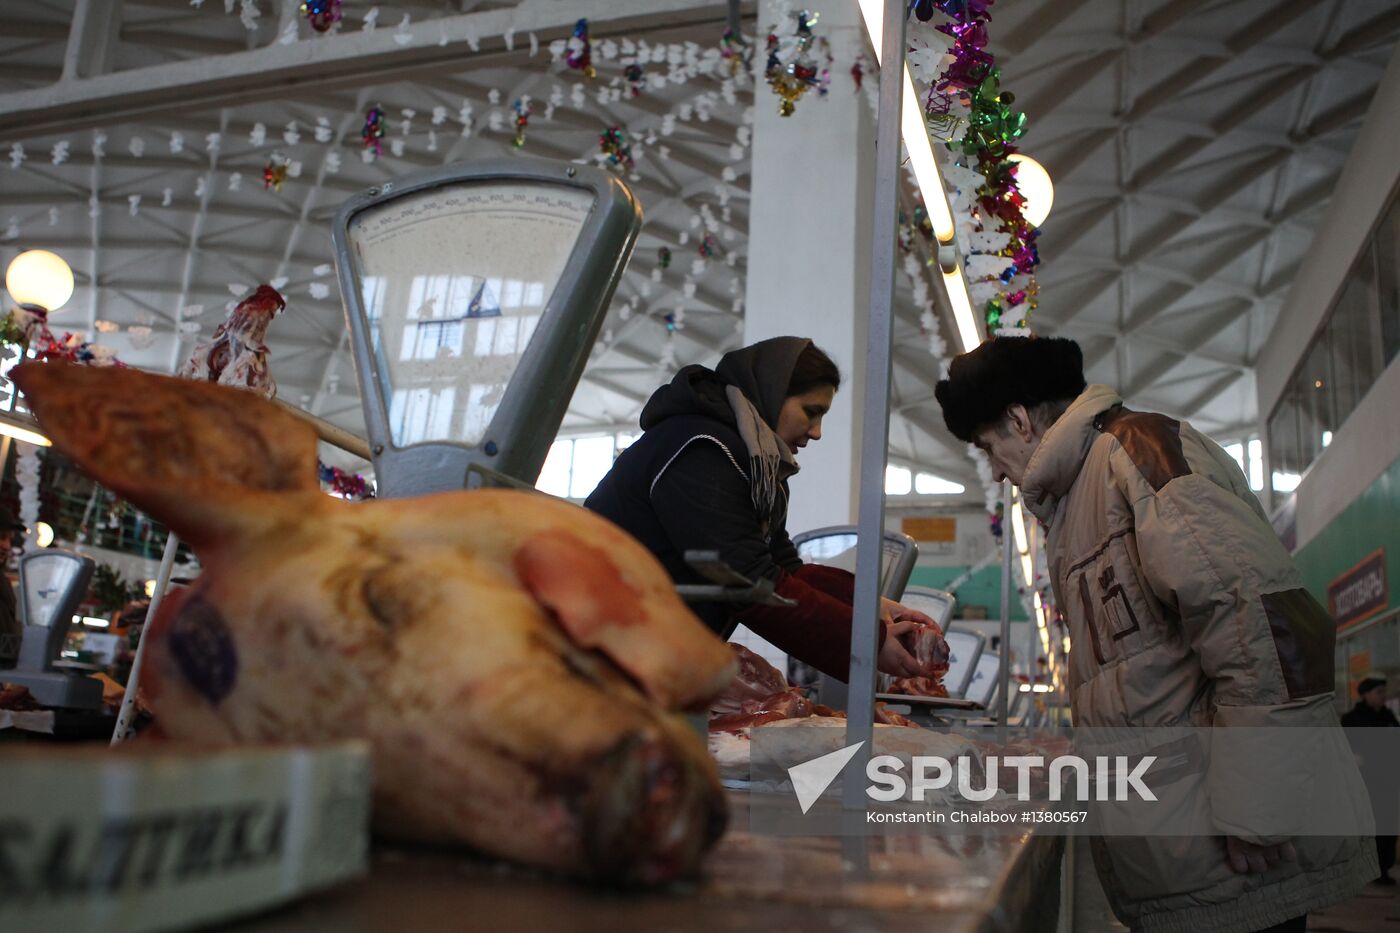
(1035,186)
(39,280)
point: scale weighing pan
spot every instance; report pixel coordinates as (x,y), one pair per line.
(931,702)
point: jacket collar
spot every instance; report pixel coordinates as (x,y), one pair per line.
(1054,466)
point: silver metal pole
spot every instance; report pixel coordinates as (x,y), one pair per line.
(167,565)
(1008,554)
(860,706)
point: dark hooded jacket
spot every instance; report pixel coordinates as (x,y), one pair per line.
(685,485)
(1363,715)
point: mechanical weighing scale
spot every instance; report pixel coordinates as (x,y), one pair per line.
(51,584)
(473,295)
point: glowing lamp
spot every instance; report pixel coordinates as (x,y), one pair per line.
(1033,181)
(39,279)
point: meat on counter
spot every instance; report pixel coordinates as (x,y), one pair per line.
(517,663)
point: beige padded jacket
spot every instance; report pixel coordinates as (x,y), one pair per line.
(1185,610)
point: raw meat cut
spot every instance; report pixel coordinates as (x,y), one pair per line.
(931,651)
(760,694)
(516,662)
(918,687)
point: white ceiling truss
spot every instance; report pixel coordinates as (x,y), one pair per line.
(1193,145)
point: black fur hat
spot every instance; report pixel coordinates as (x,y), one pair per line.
(984,381)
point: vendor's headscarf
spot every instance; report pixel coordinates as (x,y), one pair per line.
(757,379)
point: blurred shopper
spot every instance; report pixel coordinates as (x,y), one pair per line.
(1370,711)
(1184,610)
(11,629)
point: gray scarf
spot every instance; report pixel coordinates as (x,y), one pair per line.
(756,380)
(770,458)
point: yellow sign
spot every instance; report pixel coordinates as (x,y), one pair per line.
(931,529)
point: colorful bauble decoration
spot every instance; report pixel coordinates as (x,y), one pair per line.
(523,108)
(274,173)
(794,66)
(346,485)
(321,14)
(373,131)
(74,349)
(663,257)
(709,246)
(731,49)
(613,144)
(636,77)
(578,54)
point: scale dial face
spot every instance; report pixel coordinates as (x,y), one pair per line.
(839,550)
(48,578)
(454,282)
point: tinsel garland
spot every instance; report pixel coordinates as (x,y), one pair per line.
(968,109)
(798,60)
(27,477)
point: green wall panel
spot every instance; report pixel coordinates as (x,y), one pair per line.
(1371,522)
(982,589)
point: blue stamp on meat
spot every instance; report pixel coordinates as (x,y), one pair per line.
(202,646)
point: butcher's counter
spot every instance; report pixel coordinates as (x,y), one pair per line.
(923,880)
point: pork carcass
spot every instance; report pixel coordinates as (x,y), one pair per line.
(516,662)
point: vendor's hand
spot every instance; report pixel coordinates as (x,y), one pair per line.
(891,611)
(895,658)
(1246,858)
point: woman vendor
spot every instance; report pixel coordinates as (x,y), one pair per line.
(711,473)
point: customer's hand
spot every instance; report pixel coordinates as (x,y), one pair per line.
(895,658)
(1246,858)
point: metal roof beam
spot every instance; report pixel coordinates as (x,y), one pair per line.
(92,40)
(1201,399)
(283,71)
(47,30)
(1193,71)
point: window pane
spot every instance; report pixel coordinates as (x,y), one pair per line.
(898,481)
(1236,452)
(1388,265)
(1352,337)
(554,475)
(593,457)
(1256,465)
(1283,436)
(926,484)
(1313,388)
